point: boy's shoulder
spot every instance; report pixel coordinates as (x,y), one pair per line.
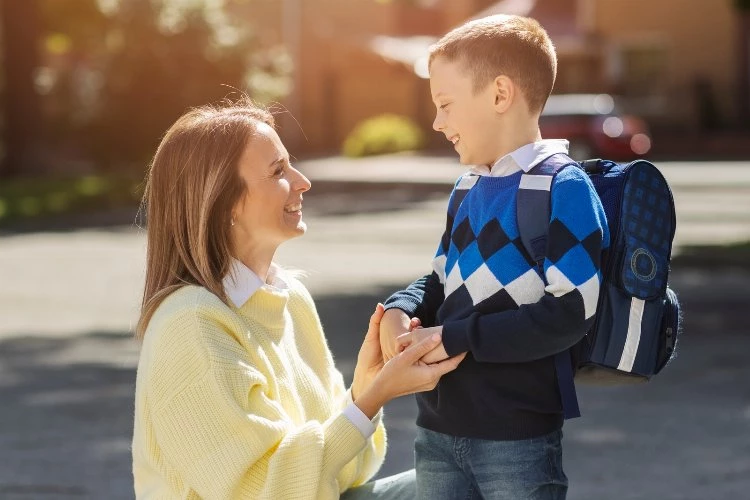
(466,180)
(567,170)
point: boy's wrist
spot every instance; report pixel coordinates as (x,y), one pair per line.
(394,322)
(455,340)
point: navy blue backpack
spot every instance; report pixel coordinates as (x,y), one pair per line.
(638,316)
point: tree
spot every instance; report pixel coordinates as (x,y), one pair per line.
(162,58)
(110,80)
(20,102)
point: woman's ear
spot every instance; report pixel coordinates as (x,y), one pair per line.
(504,93)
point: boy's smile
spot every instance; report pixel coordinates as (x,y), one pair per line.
(466,118)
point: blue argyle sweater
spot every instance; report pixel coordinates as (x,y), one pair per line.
(492,302)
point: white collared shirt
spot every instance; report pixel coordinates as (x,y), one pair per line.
(524,158)
(241,283)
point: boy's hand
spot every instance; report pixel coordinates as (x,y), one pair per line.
(419,334)
(394,323)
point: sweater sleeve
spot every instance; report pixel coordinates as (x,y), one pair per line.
(221,428)
(367,462)
(420,299)
(577,235)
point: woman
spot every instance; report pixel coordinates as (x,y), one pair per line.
(236,394)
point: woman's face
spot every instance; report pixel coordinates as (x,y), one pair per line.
(270,212)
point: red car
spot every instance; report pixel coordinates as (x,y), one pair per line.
(595,127)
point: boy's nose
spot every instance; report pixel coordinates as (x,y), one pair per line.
(438,124)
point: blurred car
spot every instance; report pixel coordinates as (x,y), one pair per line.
(595,127)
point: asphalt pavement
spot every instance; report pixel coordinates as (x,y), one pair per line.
(69,298)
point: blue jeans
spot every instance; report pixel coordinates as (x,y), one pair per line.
(454,468)
(397,487)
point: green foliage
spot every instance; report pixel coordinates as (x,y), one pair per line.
(24,198)
(383,134)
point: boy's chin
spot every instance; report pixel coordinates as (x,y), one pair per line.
(464,160)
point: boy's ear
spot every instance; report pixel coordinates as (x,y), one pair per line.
(504,91)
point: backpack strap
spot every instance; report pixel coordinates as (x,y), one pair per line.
(532,216)
(533,206)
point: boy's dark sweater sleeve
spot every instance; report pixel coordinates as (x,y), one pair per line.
(421,299)
(577,235)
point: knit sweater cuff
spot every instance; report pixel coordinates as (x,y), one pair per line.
(343,442)
(365,425)
(408,306)
(455,336)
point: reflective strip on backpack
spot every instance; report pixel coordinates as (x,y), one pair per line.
(634,335)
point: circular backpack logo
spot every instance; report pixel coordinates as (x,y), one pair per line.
(643,264)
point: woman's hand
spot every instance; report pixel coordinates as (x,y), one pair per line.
(376,383)
(370,358)
(417,335)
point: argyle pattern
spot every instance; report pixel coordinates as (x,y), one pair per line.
(482,263)
(492,302)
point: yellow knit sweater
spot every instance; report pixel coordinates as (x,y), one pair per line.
(244,403)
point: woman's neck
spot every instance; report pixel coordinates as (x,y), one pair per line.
(257,260)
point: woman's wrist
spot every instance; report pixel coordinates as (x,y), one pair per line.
(369,401)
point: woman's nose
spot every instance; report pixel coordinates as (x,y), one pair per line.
(301,183)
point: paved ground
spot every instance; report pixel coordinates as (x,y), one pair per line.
(68,300)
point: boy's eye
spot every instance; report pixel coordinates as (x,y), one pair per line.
(443,106)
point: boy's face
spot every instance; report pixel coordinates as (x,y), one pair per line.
(467,118)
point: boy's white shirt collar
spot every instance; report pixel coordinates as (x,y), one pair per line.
(524,158)
(241,282)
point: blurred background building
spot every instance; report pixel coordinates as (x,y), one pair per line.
(675,62)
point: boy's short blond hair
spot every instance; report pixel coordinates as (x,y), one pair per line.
(514,46)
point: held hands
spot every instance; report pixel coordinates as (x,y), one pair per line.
(417,335)
(376,382)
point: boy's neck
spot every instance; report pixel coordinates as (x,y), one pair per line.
(520,136)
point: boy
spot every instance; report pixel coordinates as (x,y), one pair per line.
(492,428)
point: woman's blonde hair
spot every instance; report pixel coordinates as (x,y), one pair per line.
(192,185)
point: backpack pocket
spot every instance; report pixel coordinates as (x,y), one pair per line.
(626,338)
(647,229)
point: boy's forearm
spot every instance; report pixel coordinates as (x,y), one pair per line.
(533,331)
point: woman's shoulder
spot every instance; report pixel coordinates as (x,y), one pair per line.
(190,299)
(190,307)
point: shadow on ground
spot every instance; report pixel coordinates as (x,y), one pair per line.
(66,419)
(67,404)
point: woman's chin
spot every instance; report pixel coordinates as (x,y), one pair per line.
(298,229)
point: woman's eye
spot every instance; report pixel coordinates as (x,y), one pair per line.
(443,106)
(279,172)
